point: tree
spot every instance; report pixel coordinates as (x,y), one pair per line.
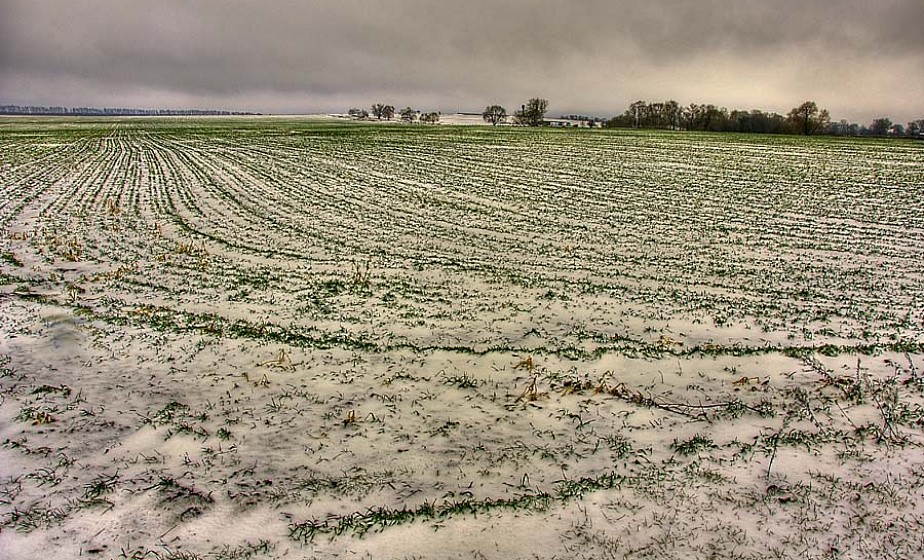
(808,118)
(619,121)
(841,128)
(915,128)
(430,118)
(880,126)
(533,113)
(672,114)
(408,115)
(637,113)
(382,111)
(706,117)
(494,114)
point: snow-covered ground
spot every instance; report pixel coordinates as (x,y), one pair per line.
(282,338)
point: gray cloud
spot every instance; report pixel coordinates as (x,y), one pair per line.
(858,58)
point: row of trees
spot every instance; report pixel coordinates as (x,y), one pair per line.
(532,113)
(806,119)
(382,111)
(883,126)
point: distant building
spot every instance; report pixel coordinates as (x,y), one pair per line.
(563,123)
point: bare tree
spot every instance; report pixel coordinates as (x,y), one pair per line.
(808,118)
(494,114)
(382,111)
(915,128)
(881,126)
(672,113)
(636,112)
(533,113)
(408,115)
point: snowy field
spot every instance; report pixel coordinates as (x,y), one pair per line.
(294,338)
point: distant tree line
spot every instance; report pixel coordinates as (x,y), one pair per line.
(108,111)
(881,126)
(531,113)
(382,111)
(806,119)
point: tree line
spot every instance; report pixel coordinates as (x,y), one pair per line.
(531,113)
(806,119)
(382,111)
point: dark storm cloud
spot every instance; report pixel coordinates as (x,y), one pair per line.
(858,58)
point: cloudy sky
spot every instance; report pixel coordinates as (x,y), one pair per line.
(858,58)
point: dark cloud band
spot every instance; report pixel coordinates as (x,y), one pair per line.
(585,56)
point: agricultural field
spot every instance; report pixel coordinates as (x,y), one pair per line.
(293,338)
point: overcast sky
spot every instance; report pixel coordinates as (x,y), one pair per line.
(858,58)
